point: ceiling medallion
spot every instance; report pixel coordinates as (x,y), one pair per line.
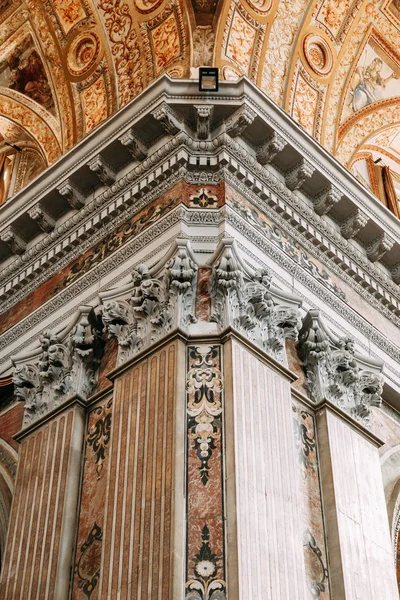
(318,54)
(83,54)
(260,6)
(146,6)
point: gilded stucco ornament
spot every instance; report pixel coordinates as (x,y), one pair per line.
(83,54)
(156,301)
(65,364)
(335,372)
(318,54)
(243,298)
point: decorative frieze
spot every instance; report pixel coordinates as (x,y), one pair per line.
(64,365)
(244,299)
(336,373)
(157,301)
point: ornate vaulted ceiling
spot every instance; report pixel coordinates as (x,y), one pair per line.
(334,65)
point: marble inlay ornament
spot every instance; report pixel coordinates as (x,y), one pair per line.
(244,299)
(204,407)
(206,586)
(65,364)
(336,373)
(318,54)
(155,302)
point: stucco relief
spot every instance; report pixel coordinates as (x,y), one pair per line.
(125,48)
(242,41)
(69,13)
(94,101)
(305,105)
(277,52)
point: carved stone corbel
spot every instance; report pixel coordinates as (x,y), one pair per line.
(203,120)
(71,194)
(267,151)
(137,149)
(64,365)
(103,171)
(327,199)
(239,121)
(296,177)
(42,218)
(395,271)
(353,224)
(242,298)
(379,247)
(166,116)
(13,240)
(157,301)
(334,371)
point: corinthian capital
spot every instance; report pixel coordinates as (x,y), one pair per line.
(157,301)
(243,298)
(336,373)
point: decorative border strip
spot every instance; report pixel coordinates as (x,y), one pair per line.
(205,571)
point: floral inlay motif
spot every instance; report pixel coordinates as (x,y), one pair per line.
(305,439)
(206,587)
(87,566)
(319,584)
(204,408)
(99,435)
(203,198)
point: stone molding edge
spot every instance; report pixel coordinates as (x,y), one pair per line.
(353,276)
(74,400)
(328,405)
(74,245)
(182,138)
(260,241)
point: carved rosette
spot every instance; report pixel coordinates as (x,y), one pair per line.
(334,372)
(157,301)
(242,298)
(65,364)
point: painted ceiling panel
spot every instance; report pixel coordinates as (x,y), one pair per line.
(334,65)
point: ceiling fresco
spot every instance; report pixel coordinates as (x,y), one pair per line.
(334,65)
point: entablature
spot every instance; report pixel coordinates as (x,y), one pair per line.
(173,131)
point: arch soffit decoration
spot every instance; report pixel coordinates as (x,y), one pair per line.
(98,55)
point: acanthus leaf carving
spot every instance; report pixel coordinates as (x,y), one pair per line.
(160,299)
(334,371)
(242,298)
(65,364)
